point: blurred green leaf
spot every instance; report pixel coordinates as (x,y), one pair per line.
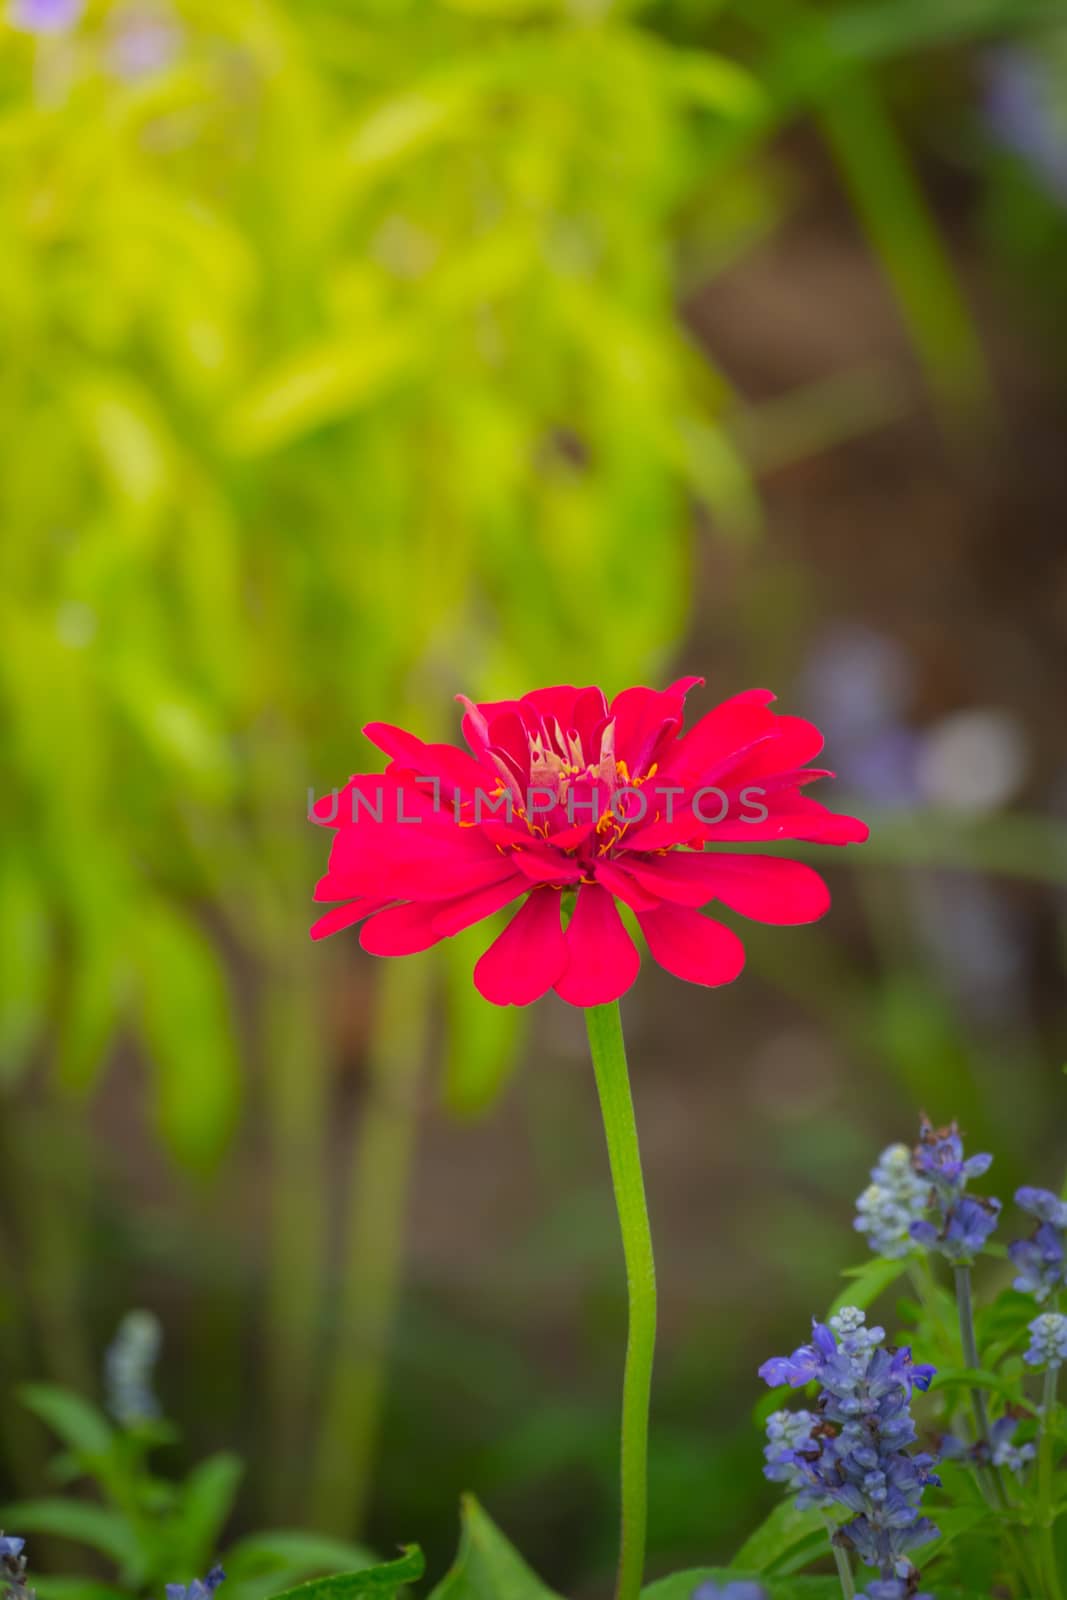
(207,1499)
(78,1423)
(190,1033)
(975,1378)
(382,1581)
(952,1522)
(866,1283)
(487,1568)
(105,1531)
(91,1012)
(62,1588)
(295,1553)
(874,30)
(787,1538)
(890,203)
(320,385)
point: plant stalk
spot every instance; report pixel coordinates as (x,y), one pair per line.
(379,1183)
(608,1049)
(844,1566)
(965,1308)
(1046,1485)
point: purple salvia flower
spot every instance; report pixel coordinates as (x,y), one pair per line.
(854,1449)
(1044,1205)
(45,16)
(199,1589)
(939,1157)
(1048,1341)
(1006,1453)
(13,1568)
(128,1366)
(1041,1260)
(1024,111)
(893,1200)
(789,1434)
(892,1589)
(1002,1451)
(961,1223)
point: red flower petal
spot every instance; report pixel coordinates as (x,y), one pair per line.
(404,930)
(471,908)
(769,889)
(791,815)
(765,888)
(795,743)
(716,744)
(692,946)
(602,959)
(415,861)
(344,916)
(619,880)
(556,702)
(545,866)
(589,715)
(644,718)
(401,931)
(527,958)
(454,767)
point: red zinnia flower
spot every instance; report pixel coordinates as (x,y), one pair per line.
(566,795)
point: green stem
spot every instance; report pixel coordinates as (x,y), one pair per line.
(379,1183)
(1045,1483)
(844,1566)
(604,1026)
(992,1487)
(970,1359)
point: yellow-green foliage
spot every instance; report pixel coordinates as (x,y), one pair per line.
(341,369)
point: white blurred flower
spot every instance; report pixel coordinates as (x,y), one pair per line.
(973,761)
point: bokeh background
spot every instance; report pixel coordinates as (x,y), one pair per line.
(357,352)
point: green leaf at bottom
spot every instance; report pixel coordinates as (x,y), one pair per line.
(374,1583)
(788,1538)
(487,1567)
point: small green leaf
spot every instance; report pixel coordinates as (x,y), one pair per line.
(866,1283)
(318,385)
(381,1582)
(88,1017)
(951,1522)
(487,1567)
(291,1548)
(102,1530)
(786,1538)
(975,1378)
(75,1589)
(82,1428)
(207,1501)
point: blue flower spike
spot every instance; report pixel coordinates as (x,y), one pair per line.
(853,1450)
(199,1589)
(962,1223)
